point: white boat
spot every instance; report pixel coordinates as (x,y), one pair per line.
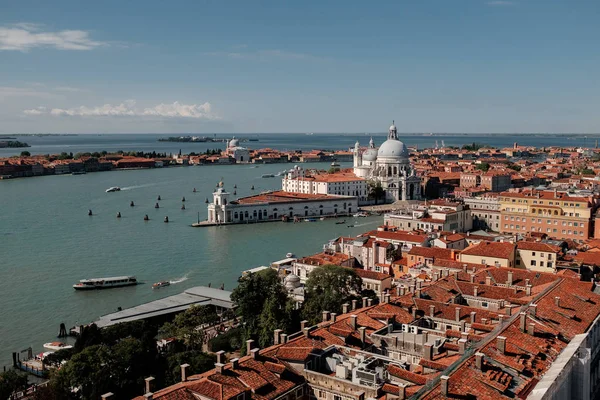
(289,255)
(113,189)
(105,283)
(360,214)
(57,346)
(158,285)
(335,164)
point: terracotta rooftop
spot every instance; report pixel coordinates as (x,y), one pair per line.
(503,250)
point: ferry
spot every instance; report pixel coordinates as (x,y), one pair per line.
(158,285)
(57,346)
(113,189)
(105,283)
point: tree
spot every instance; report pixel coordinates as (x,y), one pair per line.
(25,153)
(514,167)
(376,191)
(483,167)
(11,381)
(199,362)
(188,326)
(261,305)
(327,288)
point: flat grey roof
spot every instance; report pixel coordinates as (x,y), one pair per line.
(199,295)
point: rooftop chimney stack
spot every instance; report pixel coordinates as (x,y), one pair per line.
(283,339)
(184,368)
(220,357)
(526,281)
(333,317)
(522,321)
(462,346)
(386,298)
(107,396)
(353,321)
(479,361)
(427,352)
(533,309)
(557,301)
(472,278)
(509,280)
(254,353)
(531,329)
(528,290)
(364,302)
(431,310)
(473,316)
(235,363)
(303,324)
(475,291)
(325,316)
(501,344)
(488,280)
(444,384)
(363,334)
(369,302)
(249,345)
(401,391)
(354,302)
(345,308)
(276,335)
(149,396)
(149,384)
(457,314)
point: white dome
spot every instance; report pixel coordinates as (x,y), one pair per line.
(392,127)
(393,148)
(291,281)
(370,155)
(234,143)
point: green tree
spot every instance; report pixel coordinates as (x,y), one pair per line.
(261,305)
(327,288)
(25,153)
(483,167)
(11,381)
(199,362)
(188,326)
(376,191)
(514,167)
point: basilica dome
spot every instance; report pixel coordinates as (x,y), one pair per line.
(370,155)
(234,143)
(393,148)
(291,282)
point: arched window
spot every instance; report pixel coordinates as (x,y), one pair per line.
(321,206)
(306,207)
(235,215)
(254,213)
(246,214)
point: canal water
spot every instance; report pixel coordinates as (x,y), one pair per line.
(48,242)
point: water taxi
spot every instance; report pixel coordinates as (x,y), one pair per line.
(158,285)
(57,346)
(361,214)
(113,189)
(268,176)
(105,283)
(335,164)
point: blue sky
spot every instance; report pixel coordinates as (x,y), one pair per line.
(303,66)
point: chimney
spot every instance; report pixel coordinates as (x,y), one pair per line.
(462,346)
(533,309)
(249,344)
(401,391)
(427,352)
(220,357)
(303,324)
(473,316)
(531,329)
(369,302)
(557,301)
(149,383)
(333,317)
(475,290)
(523,321)
(283,339)
(526,281)
(414,313)
(107,396)
(235,363)
(402,290)
(508,310)
(345,308)
(397,290)
(184,368)
(276,335)
(472,278)
(306,332)
(479,361)
(488,280)
(501,344)
(219,367)
(528,290)
(431,310)
(386,298)
(325,316)
(364,302)
(457,314)
(353,321)
(149,396)
(444,384)
(363,334)
(509,280)
(500,319)
(484,321)
(418,295)
(455,273)
(354,304)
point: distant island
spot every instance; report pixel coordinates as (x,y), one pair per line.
(200,139)
(13,144)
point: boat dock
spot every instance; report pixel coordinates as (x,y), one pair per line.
(196,296)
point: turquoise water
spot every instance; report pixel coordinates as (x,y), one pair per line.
(48,242)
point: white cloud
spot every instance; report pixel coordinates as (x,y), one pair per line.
(129,109)
(26,36)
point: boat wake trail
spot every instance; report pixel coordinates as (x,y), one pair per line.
(179,280)
(138,186)
(367,223)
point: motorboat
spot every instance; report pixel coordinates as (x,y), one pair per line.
(268,176)
(360,214)
(158,285)
(105,283)
(289,255)
(78,173)
(310,220)
(335,164)
(113,189)
(341,222)
(57,346)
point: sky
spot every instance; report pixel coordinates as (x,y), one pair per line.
(464,66)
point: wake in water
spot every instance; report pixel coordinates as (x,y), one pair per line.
(367,223)
(138,186)
(179,280)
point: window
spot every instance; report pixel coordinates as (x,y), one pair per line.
(541,263)
(299,392)
(533,253)
(484,304)
(533,263)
